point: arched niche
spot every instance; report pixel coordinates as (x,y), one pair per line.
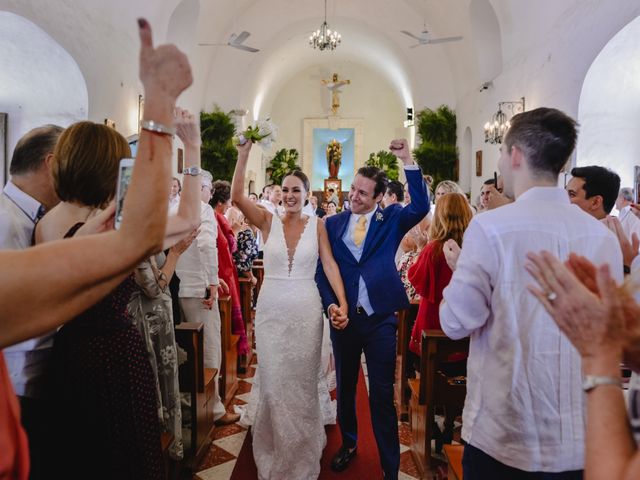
(609,107)
(40,82)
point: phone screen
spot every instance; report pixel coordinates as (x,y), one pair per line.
(124,178)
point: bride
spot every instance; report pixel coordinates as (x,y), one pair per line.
(288,431)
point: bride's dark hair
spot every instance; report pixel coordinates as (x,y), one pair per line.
(300,175)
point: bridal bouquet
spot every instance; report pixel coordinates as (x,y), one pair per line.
(264,133)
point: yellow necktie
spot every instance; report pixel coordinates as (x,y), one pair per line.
(360,231)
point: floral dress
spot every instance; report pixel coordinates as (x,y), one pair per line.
(151,310)
(247,251)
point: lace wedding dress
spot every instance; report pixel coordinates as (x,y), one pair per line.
(288,431)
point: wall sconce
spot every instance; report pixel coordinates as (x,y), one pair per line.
(495,129)
(140,111)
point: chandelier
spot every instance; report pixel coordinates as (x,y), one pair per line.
(495,129)
(324,38)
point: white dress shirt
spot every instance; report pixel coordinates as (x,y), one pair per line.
(630,223)
(347,238)
(25,360)
(197,267)
(524,404)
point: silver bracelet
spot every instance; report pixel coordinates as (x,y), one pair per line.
(156,127)
(592,381)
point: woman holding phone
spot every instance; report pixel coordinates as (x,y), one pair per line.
(102,388)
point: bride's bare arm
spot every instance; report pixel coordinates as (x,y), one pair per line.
(254,215)
(331,270)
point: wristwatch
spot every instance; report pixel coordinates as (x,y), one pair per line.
(592,381)
(193,171)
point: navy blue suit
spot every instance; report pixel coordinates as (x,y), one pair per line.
(374,334)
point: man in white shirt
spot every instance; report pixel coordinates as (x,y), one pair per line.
(630,223)
(197,269)
(524,412)
(24,200)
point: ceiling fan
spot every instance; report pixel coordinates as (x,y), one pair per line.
(425,38)
(235,41)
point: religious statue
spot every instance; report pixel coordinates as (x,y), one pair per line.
(334,86)
(334,157)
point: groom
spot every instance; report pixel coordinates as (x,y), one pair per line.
(364,242)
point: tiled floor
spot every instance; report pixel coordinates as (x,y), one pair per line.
(220,460)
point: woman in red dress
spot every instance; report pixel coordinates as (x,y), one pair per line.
(430,274)
(226,242)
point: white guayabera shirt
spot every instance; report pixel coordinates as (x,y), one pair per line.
(525,404)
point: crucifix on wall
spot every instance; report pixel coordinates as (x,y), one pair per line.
(334,87)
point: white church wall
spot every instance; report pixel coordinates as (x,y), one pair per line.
(369,97)
(610,106)
(40,82)
(548,71)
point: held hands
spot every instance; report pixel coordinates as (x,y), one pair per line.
(187,128)
(165,70)
(451,252)
(400,148)
(338,316)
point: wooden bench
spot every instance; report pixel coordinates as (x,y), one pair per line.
(453,453)
(246,290)
(258,272)
(402,392)
(199,383)
(432,389)
(229,367)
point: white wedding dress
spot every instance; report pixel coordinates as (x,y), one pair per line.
(288,430)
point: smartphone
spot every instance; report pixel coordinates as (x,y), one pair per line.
(124,178)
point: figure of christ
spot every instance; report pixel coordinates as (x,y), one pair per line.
(334,86)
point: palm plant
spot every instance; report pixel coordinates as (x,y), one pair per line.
(438,153)
(218,154)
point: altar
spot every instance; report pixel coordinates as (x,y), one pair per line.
(317,134)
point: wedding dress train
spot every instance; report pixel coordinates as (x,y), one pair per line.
(288,431)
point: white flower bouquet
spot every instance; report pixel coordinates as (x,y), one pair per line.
(264,133)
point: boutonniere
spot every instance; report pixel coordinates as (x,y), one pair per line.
(379,217)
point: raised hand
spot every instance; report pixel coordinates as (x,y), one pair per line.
(400,148)
(187,128)
(164,70)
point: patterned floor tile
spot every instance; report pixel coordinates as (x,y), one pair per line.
(244,396)
(227,430)
(220,472)
(232,443)
(404,476)
(404,430)
(407,465)
(216,456)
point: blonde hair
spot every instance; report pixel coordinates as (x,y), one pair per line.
(85,163)
(449,186)
(451,219)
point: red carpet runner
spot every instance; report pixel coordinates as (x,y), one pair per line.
(366,464)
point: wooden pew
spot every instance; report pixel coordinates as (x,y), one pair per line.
(432,389)
(258,272)
(454,453)
(402,395)
(246,290)
(229,368)
(199,383)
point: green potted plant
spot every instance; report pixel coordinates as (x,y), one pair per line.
(437,155)
(283,162)
(218,153)
(385,161)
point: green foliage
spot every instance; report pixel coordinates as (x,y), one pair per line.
(437,155)
(283,162)
(385,161)
(219,156)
